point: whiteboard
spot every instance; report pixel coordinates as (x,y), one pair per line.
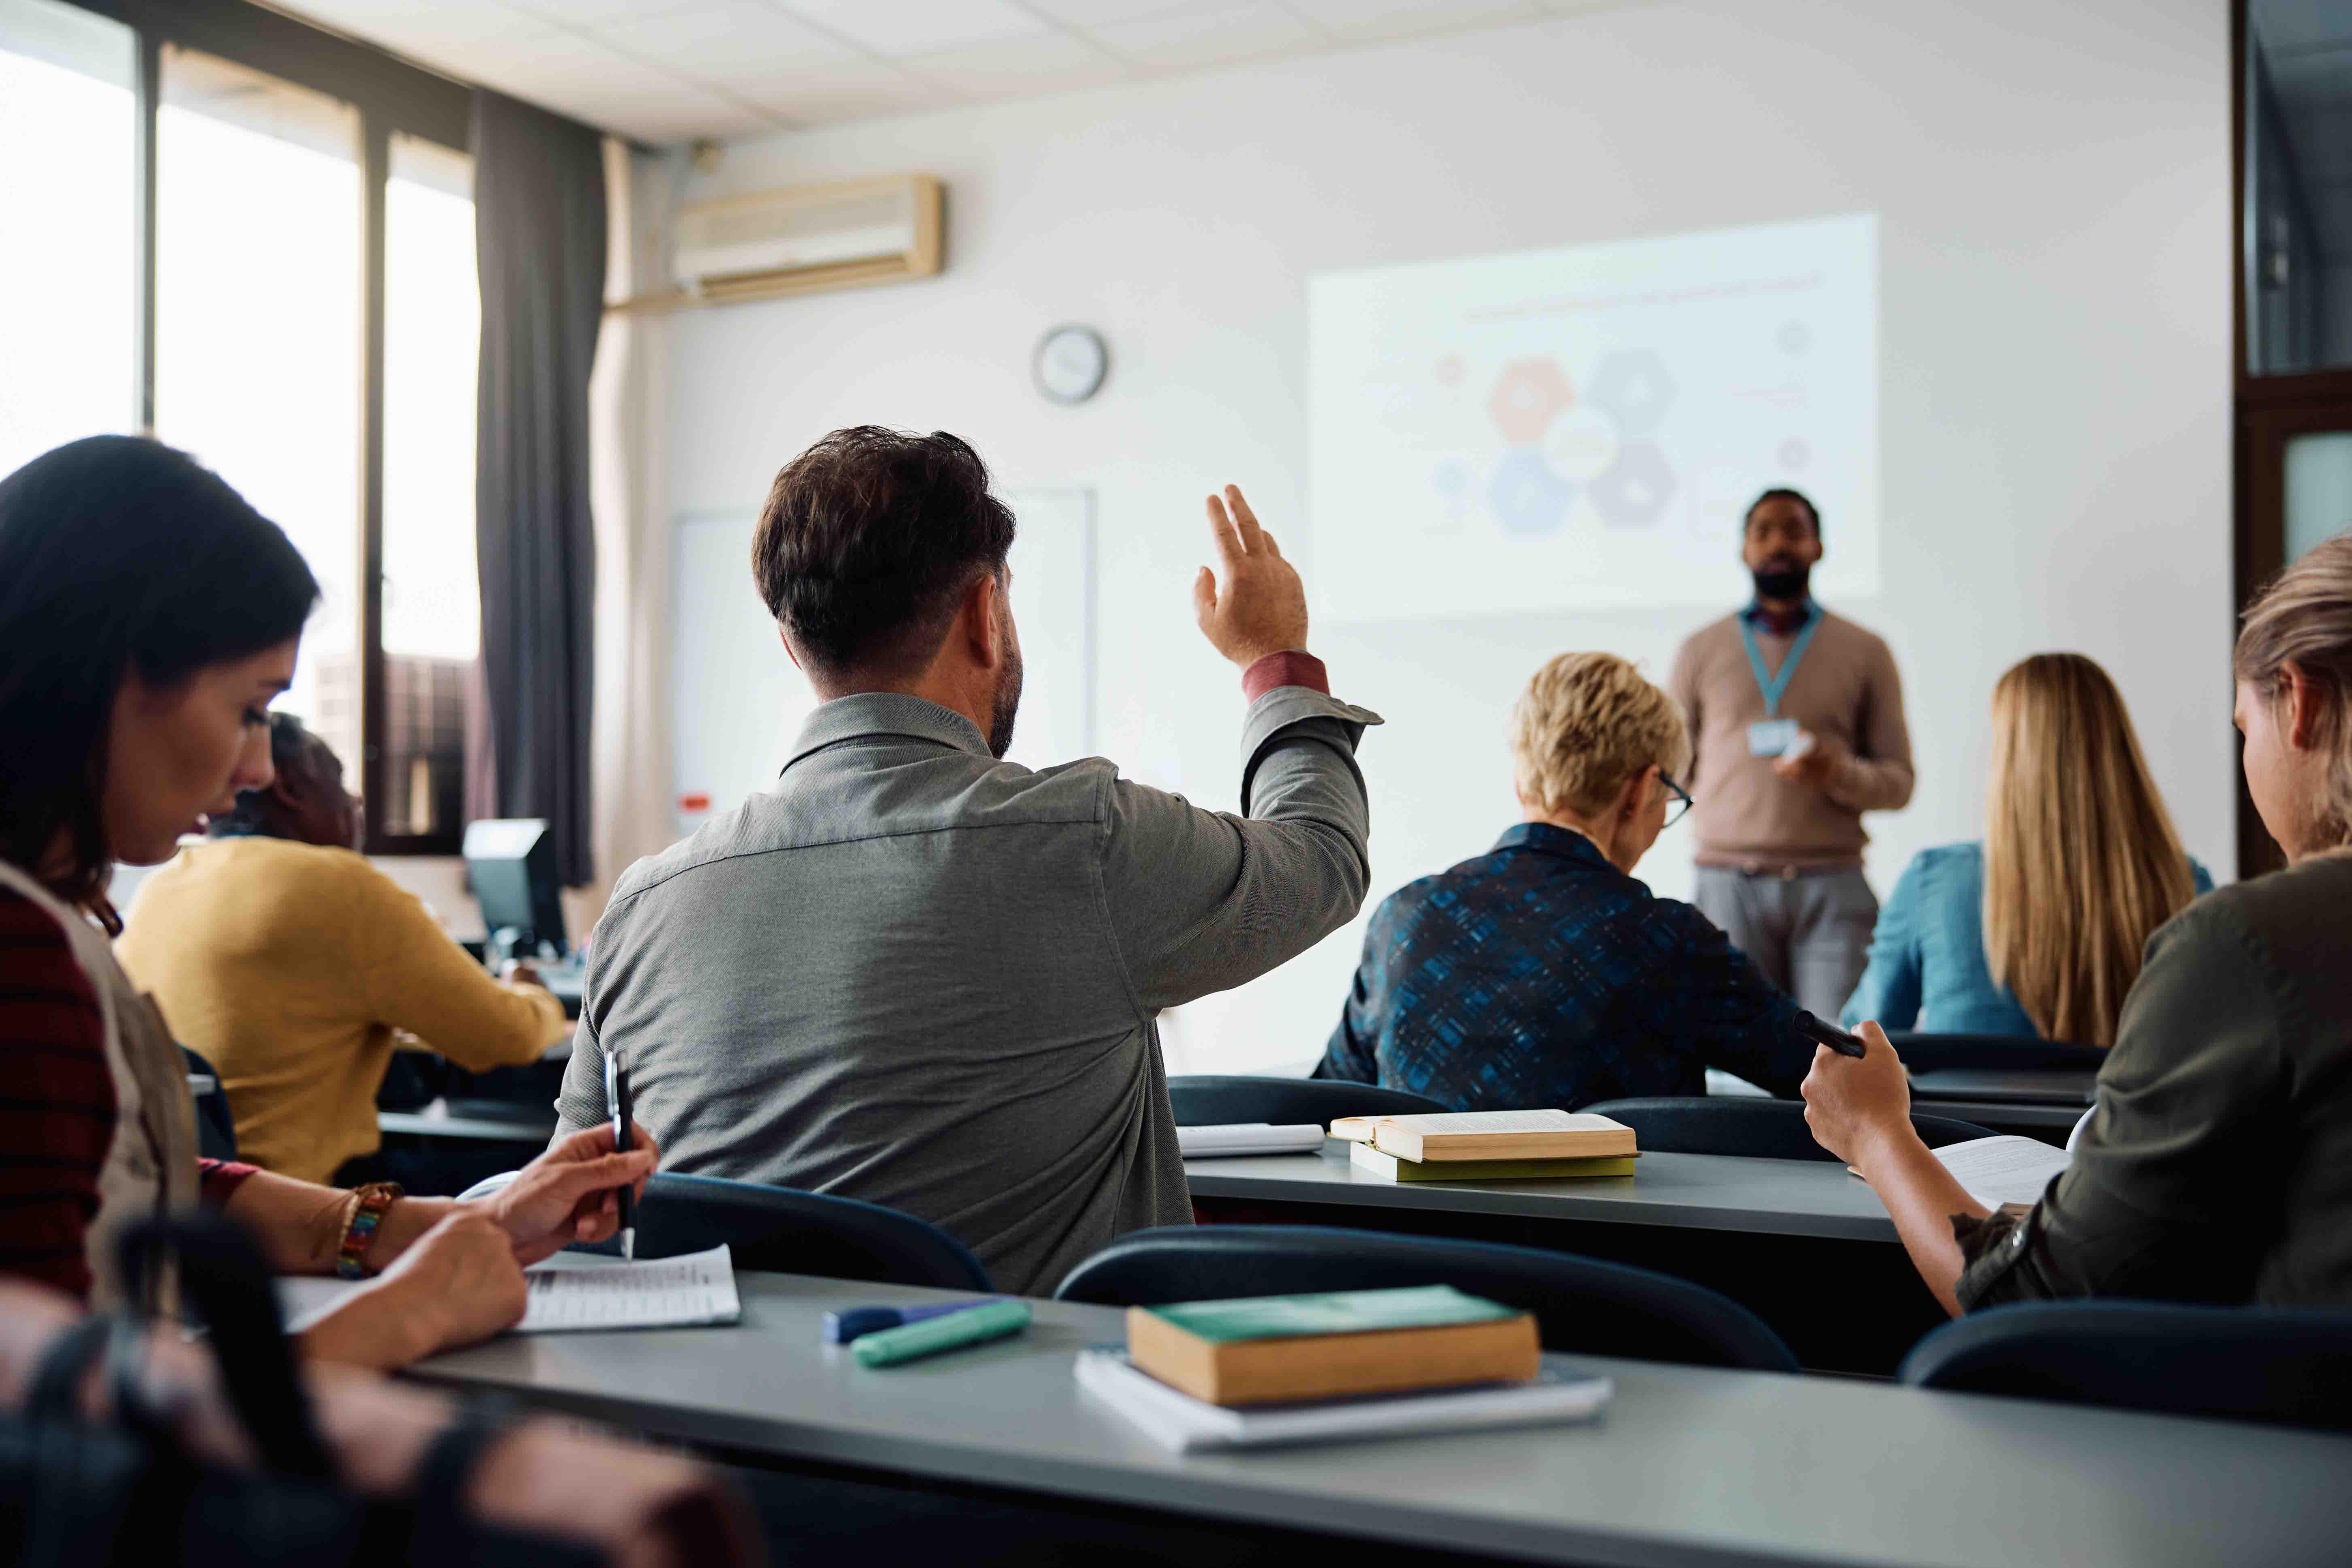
(737,702)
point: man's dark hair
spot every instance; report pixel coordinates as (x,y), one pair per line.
(295,753)
(1784,493)
(867,542)
(116,554)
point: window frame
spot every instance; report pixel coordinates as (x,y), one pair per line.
(392,98)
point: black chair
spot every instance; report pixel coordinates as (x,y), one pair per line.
(784,1230)
(1215,1100)
(1924,1052)
(1580,1303)
(2291,1366)
(215,1128)
(1767,1129)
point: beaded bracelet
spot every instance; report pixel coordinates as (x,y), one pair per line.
(359,1229)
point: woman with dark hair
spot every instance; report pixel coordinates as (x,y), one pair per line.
(2217,1164)
(148,615)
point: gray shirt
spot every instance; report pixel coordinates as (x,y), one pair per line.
(916,975)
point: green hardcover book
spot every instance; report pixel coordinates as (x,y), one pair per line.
(1390,1168)
(1268,1348)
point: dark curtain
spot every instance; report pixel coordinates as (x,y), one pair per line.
(539,235)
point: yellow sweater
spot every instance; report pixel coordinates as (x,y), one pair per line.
(288,966)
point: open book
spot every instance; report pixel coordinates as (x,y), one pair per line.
(1177,1421)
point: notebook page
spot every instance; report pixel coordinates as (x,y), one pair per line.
(571,1292)
(2003,1170)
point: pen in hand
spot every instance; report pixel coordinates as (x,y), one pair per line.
(1820,1032)
(616,1095)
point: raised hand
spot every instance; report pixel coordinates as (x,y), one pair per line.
(1253,604)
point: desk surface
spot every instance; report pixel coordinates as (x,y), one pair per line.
(2074,1090)
(1707,1192)
(417,1124)
(1689,1465)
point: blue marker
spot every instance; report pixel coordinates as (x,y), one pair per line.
(854,1322)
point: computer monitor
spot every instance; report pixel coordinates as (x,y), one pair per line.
(512,863)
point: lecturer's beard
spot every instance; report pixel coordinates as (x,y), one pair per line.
(1788,583)
(1006,706)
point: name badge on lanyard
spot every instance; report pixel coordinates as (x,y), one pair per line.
(1774,736)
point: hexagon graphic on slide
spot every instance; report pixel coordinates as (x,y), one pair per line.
(1636,488)
(1633,384)
(1529,393)
(1526,495)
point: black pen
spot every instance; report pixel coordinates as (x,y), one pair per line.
(1821,1032)
(616,1095)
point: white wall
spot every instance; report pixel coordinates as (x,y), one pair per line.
(2052,182)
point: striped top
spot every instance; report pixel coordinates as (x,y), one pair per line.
(57,1104)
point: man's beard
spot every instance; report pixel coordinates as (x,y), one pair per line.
(1788,583)
(1007,705)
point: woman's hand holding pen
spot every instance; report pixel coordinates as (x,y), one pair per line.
(567,1195)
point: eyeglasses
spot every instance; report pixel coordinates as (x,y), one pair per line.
(1682,806)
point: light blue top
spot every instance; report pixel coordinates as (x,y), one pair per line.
(1928,969)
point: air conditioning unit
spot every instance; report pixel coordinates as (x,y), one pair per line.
(810,237)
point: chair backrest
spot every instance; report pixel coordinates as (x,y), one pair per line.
(2287,1365)
(1923,1052)
(785,1230)
(1769,1129)
(215,1127)
(1580,1303)
(1212,1099)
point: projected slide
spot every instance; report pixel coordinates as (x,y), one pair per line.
(1583,427)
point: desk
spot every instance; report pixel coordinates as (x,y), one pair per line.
(1689,1465)
(2043,1105)
(1800,1243)
(1696,1192)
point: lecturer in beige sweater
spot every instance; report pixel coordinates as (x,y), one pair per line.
(1796,722)
(285,959)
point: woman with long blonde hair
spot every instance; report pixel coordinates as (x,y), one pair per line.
(2216,1165)
(2038,930)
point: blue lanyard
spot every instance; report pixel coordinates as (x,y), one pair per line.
(1773,686)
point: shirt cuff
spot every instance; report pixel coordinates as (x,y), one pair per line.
(1294,666)
(219,1179)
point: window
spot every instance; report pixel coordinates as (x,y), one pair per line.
(257,240)
(67,120)
(432,606)
(257,332)
(2293,81)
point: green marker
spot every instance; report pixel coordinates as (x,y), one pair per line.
(912,1341)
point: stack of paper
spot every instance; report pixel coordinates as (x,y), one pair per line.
(1248,1138)
(574,1291)
(1177,1421)
(2003,1169)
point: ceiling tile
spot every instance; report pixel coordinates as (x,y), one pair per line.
(596,13)
(1051,62)
(721,40)
(1367,19)
(901,27)
(1102,13)
(854,90)
(428,30)
(1218,35)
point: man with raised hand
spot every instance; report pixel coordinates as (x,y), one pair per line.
(914,973)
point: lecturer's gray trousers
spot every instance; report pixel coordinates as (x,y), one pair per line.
(1810,933)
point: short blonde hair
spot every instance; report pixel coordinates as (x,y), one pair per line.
(2306,616)
(1586,724)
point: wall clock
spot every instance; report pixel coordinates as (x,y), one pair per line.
(1070,364)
